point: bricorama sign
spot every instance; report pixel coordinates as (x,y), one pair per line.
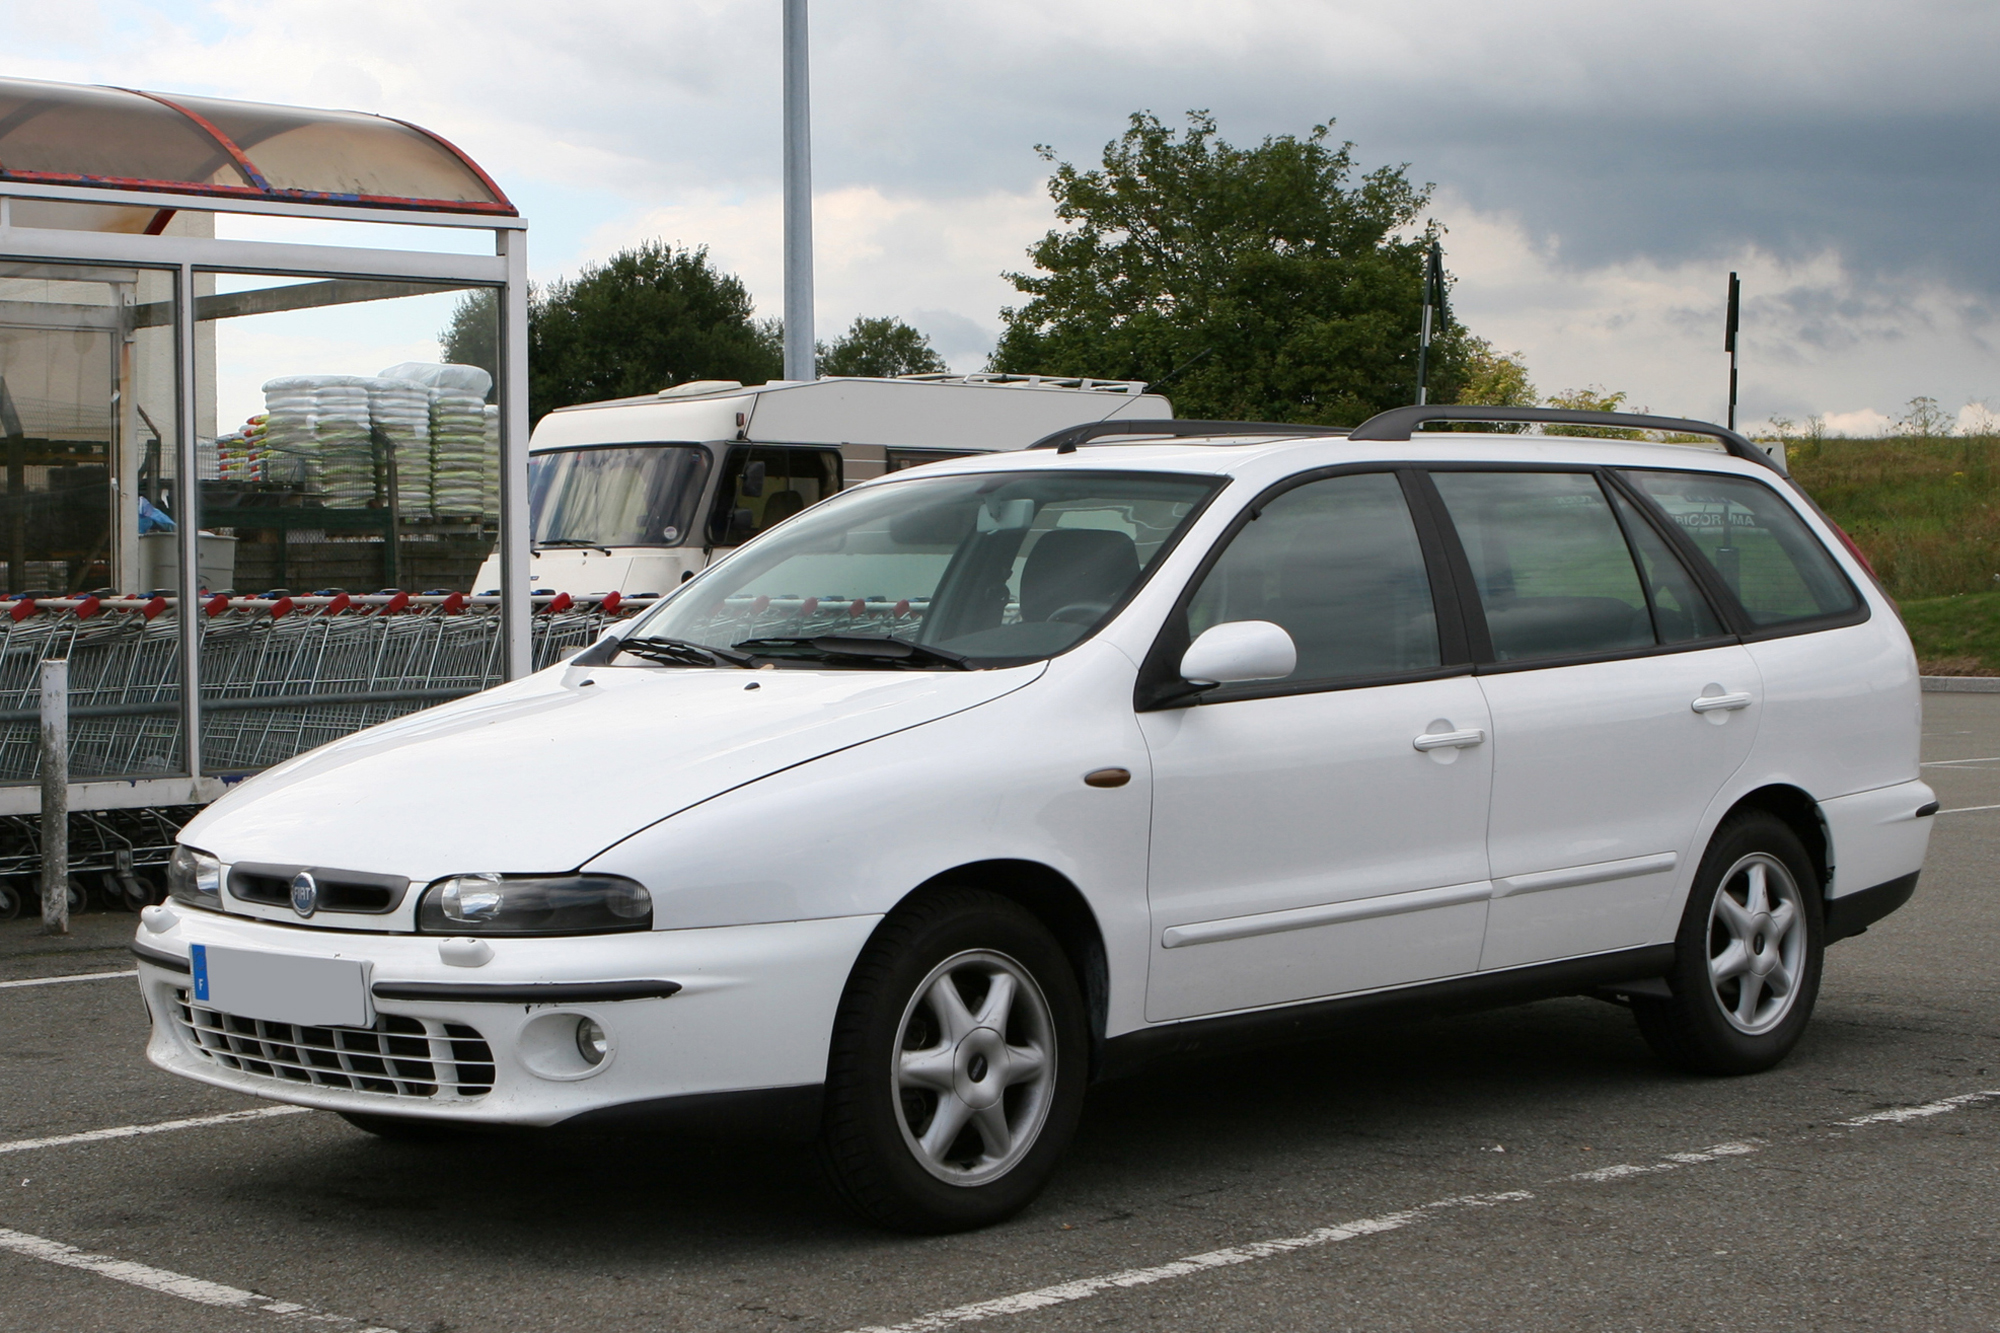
(1718,518)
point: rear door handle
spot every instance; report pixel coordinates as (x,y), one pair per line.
(1709,703)
(1449,740)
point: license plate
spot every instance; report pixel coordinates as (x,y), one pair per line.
(282,987)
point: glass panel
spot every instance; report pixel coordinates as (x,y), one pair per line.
(351,456)
(1756,542)
(1338,564)
(998,568)
(637,495)
(341,152)
(67,130)
(1554,574)
(763,487)
(1680,613)
(88,415)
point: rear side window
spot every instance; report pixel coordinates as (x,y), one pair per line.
(1756,542)
(1555,576)
(1337,563)
(1680,613)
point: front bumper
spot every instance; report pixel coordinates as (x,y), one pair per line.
(753,1010)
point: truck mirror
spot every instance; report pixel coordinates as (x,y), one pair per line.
(753,479)
(742,526)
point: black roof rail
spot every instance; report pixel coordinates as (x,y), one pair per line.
(1398,423)
(1068,438)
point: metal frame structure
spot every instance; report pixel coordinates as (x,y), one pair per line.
(505,271)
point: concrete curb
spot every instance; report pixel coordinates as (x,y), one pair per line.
(1961,684)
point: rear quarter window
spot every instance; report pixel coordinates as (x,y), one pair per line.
(1756,543)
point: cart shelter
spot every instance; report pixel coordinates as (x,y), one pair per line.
(115,294)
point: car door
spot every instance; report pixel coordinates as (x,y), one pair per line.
(1620,705)
(1324,833)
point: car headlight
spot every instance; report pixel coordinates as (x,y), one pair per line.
(534,905)
(195,878)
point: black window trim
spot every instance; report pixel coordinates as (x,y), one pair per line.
(1719,593)
(1160,684)
(1488,663)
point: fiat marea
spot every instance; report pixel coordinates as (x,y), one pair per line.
(979,782)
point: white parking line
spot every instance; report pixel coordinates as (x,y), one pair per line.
(159,1127)
(57,981)
(1063,1292)
(1902,1115)
(170,1284)
(1968,809)
(1953,763)
(1024,1301)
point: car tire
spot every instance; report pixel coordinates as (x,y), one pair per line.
(1748,955)
(962,1006)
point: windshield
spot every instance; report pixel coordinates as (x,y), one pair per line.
(625,495)
(990,567)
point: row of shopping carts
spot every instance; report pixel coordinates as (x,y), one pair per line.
(279,676)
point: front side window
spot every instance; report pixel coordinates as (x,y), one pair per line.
(1756,542)
(1337,563)
(761,488)
(1554,574)
(991,568)
(622,495)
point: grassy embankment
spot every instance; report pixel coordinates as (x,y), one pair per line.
(1927,512)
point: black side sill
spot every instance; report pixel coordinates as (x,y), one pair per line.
(1229,1033)
(1852,913)
(158,958)
(553,992)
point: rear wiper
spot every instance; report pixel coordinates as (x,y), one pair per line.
(868,647)
(671,652)
(573,541)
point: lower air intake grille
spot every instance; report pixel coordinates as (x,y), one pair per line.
(398,1057)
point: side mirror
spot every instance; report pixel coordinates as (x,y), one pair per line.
(1240,650)
(742,527)
(753,479)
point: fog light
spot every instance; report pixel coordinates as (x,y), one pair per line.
(591,1043)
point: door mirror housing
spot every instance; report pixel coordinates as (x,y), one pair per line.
(754,473)
(1238,651)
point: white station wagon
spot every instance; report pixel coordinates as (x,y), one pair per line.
(981,781)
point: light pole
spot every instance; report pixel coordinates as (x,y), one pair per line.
(799,359)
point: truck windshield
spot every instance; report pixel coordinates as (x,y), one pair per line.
(992,568)
(622,495)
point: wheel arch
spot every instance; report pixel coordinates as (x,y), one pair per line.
(1801,813)
(1049,896)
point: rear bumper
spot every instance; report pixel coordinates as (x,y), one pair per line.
(751,1013)
(1855,912)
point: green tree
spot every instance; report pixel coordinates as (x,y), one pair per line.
(1494,379)
(1265,283)
(651,317)
(884,347)
(1596,398)
(1925,420)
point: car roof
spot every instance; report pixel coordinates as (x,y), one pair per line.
(1265,458)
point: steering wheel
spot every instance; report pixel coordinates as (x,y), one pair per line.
(1079,613)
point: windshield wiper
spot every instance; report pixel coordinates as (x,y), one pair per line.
(668,652)
(867,647)
(572,541)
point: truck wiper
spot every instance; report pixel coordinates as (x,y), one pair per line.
(868,647)
(572,541)
(669,652)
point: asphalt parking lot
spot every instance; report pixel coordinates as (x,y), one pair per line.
(1533,1168)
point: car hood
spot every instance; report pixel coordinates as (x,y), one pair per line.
(544,773)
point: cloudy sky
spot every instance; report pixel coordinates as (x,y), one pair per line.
(1601,168)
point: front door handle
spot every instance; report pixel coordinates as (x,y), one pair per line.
(1449,740)
(1710,703)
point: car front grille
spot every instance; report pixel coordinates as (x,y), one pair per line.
(398,1057)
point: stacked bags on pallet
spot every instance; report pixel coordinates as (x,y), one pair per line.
(334,433)
(459,458)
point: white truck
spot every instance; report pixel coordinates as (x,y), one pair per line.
(634,495)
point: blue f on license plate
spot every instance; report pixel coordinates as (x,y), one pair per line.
(281,987)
